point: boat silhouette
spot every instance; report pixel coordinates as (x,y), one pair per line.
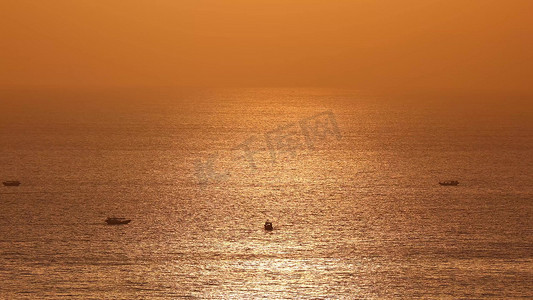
(117,221)
(268,226)
(449,182)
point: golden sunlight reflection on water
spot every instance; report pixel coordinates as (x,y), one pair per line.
(360,215)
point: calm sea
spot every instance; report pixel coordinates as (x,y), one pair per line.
(349,181)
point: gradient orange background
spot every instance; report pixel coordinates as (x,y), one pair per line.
(387,45)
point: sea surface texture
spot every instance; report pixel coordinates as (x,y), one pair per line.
(349,181)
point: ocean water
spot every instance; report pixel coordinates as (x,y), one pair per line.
(350,182)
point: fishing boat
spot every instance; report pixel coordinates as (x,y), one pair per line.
(117,221)
(449,182)
(268,226)
(11,183)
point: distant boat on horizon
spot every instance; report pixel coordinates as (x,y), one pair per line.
(117,221)
(11,183)
(449,182)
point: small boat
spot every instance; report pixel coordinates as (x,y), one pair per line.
(449,182)
(117,221)
(11,183)
(268,226)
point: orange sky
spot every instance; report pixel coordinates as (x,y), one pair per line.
(408,45)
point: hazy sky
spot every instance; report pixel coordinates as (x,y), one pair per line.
(407,45)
